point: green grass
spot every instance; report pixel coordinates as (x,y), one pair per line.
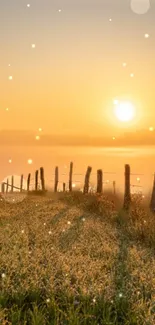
(76,259)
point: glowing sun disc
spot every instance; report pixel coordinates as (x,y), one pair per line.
(124,111)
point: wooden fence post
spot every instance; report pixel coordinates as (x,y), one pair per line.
(70,176)
(36,180)
(12,183)
(127,196)
(99,181)
(21,183)
(42,178)
(28,182)
(64,185)
(114,187)
(87,176)
(152,202)
(7,185)
(3,187)
(56,179)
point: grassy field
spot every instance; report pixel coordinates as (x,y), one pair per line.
(72,259)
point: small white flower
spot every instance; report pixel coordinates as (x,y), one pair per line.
(3,275)
(69,222)
(94,300)
(50,232)
(120,294)
(112,301)
(47,300)
(83,219)
(66,274)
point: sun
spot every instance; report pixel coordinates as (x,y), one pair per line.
(124,111)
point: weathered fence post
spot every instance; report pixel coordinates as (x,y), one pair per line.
(56,179)
(3,187)
(127,196)
(99,181)
(21,183)
(7,185)
(28,182)
(64,186)
(36,180)
(42,178)
(87,176)
(152,202)
(114,187)
(12,183)
(70,176)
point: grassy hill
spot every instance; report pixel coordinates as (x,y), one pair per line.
(74,259)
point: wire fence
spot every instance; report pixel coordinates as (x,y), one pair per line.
(79,183)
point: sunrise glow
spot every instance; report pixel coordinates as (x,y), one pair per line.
(124,111)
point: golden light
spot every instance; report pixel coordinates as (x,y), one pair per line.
(7,109)
(131,75)
(151,128)
(10,77)
(124,64)
(138,179)
(113,138)
(37,137)
(74,185)
(115,101)
(124,111)
(10,161)
(40,129)
(33,46)
(29,161)
(146,35)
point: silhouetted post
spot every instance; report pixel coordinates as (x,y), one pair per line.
(64,187)
(99,181)
(36,180)
(2,188)
(87,176)
(152,202)
(70,176)
(114,187)
(42,178)
(28,182)
(12,183)
(21,183)
(127,196)
(56,179)
(7,185)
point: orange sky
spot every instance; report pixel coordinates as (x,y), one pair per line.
(68,82)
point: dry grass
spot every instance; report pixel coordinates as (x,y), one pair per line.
(81,245)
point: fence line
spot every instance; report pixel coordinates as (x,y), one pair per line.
(39,183)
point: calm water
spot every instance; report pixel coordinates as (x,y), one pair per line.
(112,160)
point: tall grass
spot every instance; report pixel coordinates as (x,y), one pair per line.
(69,258)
